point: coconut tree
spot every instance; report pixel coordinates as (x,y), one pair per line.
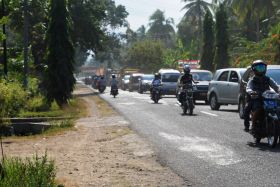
(196,9)
(254,10)
(161,28)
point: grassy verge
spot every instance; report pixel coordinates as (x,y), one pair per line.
(59,127)
(75,109)
(28,173)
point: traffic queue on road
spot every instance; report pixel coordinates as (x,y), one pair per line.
(228,86)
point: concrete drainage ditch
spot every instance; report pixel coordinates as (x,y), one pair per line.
(27,126)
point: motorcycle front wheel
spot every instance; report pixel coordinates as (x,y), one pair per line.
(156,98)
(190,108)
(185,108)
(273,138)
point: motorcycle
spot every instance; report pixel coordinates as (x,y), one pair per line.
(266,120)
(114,91)
(156,93)
(187,99)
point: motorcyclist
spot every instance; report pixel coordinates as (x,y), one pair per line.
(156,82)
(258,84)
(184,79)
(102,81)
(114,83)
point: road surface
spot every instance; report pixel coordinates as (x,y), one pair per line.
(209,148)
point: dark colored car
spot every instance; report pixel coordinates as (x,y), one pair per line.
(145,83)
(124,82)
(203,77)
(134,81)
(273,71)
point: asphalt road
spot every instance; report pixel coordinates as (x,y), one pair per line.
(209,148)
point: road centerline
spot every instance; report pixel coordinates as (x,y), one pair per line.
(208,113)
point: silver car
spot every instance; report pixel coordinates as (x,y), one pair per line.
(224,88)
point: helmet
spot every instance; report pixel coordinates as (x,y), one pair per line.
(157,76)
(259,67)
(187,69)
(113,76)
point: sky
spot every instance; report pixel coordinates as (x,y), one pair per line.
(140,10)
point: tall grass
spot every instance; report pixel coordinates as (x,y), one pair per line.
(35,172)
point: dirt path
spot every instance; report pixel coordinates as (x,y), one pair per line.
(103,151)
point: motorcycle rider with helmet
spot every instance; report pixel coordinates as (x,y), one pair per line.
(258,84)
(114,83)
(156,82)
(184,79)
(102,81)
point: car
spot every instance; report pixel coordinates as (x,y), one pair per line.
(203,77)
(134,81)
(169,78)
(145,82)
(224,88)
(124,82)
(273,71)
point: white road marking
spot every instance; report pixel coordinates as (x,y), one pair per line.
(204,149)
(142,98)
(126,103)
(208,113)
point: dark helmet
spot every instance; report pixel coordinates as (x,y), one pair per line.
(157,76)
(187,69)
(259,67)
(113,76)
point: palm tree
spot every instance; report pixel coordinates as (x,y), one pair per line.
(197,9)
(160,28)
(254,10)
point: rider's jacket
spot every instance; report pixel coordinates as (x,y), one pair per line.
(186,79)
(102,82)
(156,82)
(261,84)
(114,83)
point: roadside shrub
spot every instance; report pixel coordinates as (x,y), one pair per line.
(37,104)
(29,172)
(12,98)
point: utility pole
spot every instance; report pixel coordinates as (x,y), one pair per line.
(5,64)
(25,53)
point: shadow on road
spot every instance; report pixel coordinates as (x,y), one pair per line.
(228,110)
(263,146)
(189,115)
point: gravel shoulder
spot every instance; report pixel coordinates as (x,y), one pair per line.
(101,151)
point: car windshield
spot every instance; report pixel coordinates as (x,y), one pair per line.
(148,77)
(170,77)
(126,77)
(274,74)
(202,76)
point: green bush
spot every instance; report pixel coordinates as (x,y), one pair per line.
(37,104)
(12,98)
(28,173)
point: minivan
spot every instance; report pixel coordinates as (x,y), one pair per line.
(169,78)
